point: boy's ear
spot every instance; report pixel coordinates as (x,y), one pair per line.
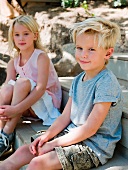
(109,53)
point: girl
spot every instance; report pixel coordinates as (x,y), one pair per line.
(31,81)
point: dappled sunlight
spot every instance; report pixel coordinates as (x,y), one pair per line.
(26,121)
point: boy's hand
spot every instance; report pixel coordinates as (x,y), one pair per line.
(47,147)
(38,142)
(33,146)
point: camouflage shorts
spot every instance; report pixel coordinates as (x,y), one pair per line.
(76,157)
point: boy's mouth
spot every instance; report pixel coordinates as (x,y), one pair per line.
(84,62)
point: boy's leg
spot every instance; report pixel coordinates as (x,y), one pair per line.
(48,161)
(77,156)
(19,158)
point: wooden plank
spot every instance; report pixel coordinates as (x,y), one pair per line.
(122,150)
(64,99)
(116,163)
(23,134)
(38,126)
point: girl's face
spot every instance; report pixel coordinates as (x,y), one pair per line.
(23,37)
(89,56)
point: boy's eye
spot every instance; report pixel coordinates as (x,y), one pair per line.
(79,48)
(26,33)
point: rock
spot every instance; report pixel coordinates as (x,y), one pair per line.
(10,10)
(67,65)
(3,65)
(2,75)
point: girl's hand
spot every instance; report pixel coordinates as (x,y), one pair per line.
(4,118)
(7,111)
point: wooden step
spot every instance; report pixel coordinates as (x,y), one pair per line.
(118,63)
(27,128)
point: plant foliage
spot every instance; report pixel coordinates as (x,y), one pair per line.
(70,3)
(119,3)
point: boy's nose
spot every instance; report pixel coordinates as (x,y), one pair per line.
(84,54)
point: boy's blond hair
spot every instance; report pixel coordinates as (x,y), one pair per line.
(106,32)
(31,24)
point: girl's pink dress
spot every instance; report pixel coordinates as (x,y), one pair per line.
(47,107)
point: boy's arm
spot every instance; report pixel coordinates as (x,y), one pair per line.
(60,124)
(78,134)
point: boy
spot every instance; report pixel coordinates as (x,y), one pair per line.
(86,133)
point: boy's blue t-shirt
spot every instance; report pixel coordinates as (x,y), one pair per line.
(104,87)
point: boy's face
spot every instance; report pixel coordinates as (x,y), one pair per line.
(89,55)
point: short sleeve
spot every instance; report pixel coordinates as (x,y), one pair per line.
(71,89)
(107,90)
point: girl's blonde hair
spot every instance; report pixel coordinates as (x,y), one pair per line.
(31,24)
(106,32)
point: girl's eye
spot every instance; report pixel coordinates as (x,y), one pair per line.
(16,35)
(91,49)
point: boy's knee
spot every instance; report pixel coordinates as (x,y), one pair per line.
(22,149)
(35,163)
(39,162)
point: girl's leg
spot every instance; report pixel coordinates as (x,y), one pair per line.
(5,98)
(21,89)
(48,161)
(29,113)
(19,158)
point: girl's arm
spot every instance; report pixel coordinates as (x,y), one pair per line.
(43,63)
(11,73)
(60,124)
(78,134)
